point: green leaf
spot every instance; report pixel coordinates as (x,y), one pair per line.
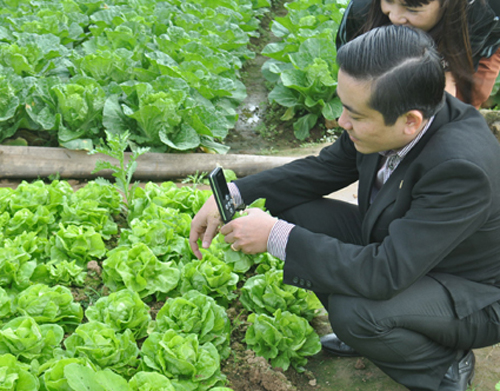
(303,125)
(332,109)
(284,96)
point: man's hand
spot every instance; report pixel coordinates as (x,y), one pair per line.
(249,233)
(204,226)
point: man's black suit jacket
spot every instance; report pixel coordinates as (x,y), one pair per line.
(437,215)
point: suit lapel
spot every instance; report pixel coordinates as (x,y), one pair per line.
(389,191)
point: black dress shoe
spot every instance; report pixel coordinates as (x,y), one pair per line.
(460,373)
(333,345)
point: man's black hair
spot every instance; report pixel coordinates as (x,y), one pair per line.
(405,69)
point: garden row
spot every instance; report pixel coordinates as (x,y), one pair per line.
(161,319)
(166,71)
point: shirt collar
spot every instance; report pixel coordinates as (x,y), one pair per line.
(402,152)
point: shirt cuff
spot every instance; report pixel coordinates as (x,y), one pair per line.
(278,239)
(235,194)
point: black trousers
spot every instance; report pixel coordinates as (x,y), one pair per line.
(413,337)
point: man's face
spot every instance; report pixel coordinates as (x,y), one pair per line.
(366,126)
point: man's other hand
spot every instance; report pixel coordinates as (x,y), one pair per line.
(249,233)
(204,226)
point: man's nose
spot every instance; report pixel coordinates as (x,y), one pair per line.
(343,121)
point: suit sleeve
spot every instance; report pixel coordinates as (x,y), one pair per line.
(304,179)
(448,204)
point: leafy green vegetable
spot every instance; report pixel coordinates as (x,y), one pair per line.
(185,199)
(138,269)
(121,310)
(59,272)
(82,243)
(107,196)
(49,305)
(183,359)
(52,376)
(26,340)
(284,338)
(16,376)
(302,66)
(16,268)
(196,313)
(83,378)
(265,293)
(210,276)
(104,347)
(6,307)
(158,235)
(150,381)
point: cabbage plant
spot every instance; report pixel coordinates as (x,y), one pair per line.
(187,363)
(265,293)
(150,381)
(16,376)
(210,276)
(104,347)
(27,341)
(121,310)
(49,305)
(138,269)
(196,313)
(284,339)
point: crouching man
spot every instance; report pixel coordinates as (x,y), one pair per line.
(411,277)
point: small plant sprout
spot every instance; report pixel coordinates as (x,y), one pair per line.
(123,171)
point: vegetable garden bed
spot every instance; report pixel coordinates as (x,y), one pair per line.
(99,291)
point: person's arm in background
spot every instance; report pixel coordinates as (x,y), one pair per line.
(484,78)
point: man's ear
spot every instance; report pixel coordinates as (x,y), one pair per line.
(413,122)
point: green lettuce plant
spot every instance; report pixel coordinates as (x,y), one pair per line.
(83,378)
(181,358)
(265,293)
(25,220)
(57,272)
(72,242)
(88,212)
(199,314)
(15,375)
(31,243)
(138,269)
(285,339)
(121,310)
(79,106)
(106,196)
(158,235)
(185,199)
(16,268)
(49,305)
(6,307)
(27,341)
(210,276)
(106,348)
(52,373)
(150,381)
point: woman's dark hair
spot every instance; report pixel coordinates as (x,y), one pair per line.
(451,35)
(404,67)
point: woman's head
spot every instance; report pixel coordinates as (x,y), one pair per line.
(444,20)
(421,14)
